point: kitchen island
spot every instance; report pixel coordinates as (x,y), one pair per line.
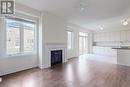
(123,56)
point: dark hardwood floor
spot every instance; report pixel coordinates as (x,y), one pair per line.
(78,72)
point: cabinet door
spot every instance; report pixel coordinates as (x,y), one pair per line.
(101,36)
(112,36)
(117,36)
(123,36)
(128,35)
(107,36)
(96,37)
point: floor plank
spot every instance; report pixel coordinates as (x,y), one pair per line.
(78,72)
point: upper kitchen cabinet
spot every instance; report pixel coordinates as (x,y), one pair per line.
(128,35)
(107,36)
(123,35)
(100,37)
(115,36)
(97,37)
(111,36)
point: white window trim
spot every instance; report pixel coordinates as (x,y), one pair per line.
(72,40)
(34,52)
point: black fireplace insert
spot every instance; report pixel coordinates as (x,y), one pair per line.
(56,57)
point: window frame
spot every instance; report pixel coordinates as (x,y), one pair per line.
(21,31)
(83,35)
(72,40)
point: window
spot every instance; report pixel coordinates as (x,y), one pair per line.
(29,37)
(13,39)
(70,40)
(20,36)
(83,43)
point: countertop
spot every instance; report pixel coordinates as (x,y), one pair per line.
(122,48)
(117,47)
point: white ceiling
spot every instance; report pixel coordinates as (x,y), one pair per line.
(107,13)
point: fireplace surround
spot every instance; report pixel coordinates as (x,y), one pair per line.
(51,47)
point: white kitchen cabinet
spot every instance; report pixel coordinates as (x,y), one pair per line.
(128,35)
(117,36)
(107,36)
(123,35)
(96,37)
(108,51)
(112,36)
(101,35)
(123,57)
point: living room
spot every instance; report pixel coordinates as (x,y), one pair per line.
(64,43)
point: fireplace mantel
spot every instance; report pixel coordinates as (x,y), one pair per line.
(48,47)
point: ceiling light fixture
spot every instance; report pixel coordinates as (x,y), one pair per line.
(125,22)
(82,9)
(82,5)
(101,27)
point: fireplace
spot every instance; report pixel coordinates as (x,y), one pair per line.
(54,53)
(56,57)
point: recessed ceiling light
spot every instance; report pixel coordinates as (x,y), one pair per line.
(125,22)
(82,9)
(82,5)
(67,26)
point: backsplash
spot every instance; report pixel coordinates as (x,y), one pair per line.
(111,44)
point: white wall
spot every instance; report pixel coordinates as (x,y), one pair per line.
(16,63)
(54,28)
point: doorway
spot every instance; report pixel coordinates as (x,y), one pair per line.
(83,43)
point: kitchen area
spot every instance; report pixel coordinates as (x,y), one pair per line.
(114,44)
